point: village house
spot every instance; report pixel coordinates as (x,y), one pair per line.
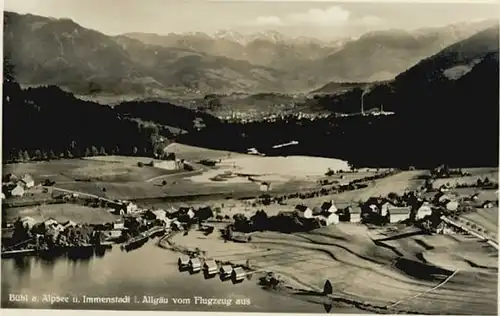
(304,211)
(385,207)
(488,204)
(69,224)
(10,178)
(423,211)
(119,225)
(398,213)
(160,215)
(329,207)
(17,191)
(265,186)
(444,229)
(451,206)
(28,222)
(327,219)
(27,181)
(442,199)
(130,208)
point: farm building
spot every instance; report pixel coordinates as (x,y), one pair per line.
(304,211)
(442,199)
(329,207)
(488,204)
(451,206)
(112,234)
(444,229)
(238,274)
(10,177)
(160,215)
(69,224)
(328,219)
(17,191)
(384,207)
(27,181)
(210,267)
(265,186)
(28,222)
(130,207)
(423,211)
(344,214)
(118,225)
(398,214)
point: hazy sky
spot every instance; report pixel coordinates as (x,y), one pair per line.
(319,18)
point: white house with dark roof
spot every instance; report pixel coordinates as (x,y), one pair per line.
(17,191)
(329,207)
(398,214)
(28,222)
(423,211)
(451,206)
(328,219)
(27,181)
(304,211)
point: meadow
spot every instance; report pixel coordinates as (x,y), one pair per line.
(397,279)
(71,170)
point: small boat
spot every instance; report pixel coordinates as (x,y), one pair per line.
(17,253)
(135,242)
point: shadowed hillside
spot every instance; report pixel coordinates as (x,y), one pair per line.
(60,52)
(438,118)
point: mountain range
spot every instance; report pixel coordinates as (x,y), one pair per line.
(48,51)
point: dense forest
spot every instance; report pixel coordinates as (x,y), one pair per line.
(49,123)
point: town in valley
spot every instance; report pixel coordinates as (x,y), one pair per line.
(251,172)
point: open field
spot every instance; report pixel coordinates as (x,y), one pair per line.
(69,170)
(176,187)
(364,272)
(397,183)
(475,174)
(273,169)
(192,153)
(133,161)
(484,219)
(62,213)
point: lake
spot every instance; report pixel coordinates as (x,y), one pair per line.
(147,271)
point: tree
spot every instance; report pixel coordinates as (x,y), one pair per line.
(20,155)
(94,151)
(26,156)
(135,150)
(38,154)
(88,153)
(102,151)
(52,155)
